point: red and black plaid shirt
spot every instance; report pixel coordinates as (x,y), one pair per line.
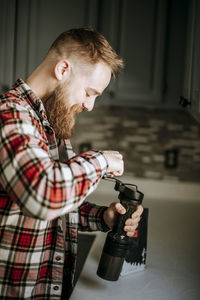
(43,186)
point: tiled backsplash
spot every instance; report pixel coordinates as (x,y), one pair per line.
(156,144)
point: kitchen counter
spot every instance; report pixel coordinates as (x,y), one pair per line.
(173,257)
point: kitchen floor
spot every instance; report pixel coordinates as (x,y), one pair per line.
(173,259)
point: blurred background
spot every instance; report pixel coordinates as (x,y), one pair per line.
(150,113)
(139,113)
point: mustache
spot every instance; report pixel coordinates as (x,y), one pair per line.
(77,109)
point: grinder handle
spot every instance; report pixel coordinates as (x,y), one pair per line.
(130,207)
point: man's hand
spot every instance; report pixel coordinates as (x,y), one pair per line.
(130,225)
(115,163)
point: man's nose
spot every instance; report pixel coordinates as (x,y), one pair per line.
(89,104)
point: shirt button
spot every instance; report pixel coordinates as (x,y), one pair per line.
(58,258)
(56,288)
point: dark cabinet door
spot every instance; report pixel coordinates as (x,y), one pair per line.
(137,29)
(191,90)
(7,43)
(39,22)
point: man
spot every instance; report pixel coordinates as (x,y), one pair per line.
(43,185)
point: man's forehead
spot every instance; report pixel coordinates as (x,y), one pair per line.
(100,77)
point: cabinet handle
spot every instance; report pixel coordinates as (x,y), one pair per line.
(184,102)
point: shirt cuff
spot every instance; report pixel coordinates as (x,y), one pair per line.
(104,226)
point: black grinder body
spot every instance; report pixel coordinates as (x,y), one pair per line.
(117,242)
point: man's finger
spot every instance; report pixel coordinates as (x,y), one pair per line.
(120,209)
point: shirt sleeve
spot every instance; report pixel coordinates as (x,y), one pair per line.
(42,187)
(91,217)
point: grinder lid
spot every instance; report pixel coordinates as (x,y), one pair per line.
(129,191)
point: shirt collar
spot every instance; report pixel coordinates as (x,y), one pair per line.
(33,99)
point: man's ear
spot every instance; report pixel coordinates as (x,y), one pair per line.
(61,69)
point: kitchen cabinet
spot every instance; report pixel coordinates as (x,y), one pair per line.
(191,91)
(137,30)
(28,29)
(7,42)
(150,35)
(39,22)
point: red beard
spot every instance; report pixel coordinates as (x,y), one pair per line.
(61,117)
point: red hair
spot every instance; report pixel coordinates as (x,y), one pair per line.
(89,45)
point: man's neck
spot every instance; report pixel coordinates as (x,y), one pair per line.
(41,82)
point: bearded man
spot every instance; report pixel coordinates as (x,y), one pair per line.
(43,184)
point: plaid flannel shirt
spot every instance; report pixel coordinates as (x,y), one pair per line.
(43,186)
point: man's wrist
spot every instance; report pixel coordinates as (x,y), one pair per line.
(104,225)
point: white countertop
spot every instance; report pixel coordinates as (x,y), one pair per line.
(173,257)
